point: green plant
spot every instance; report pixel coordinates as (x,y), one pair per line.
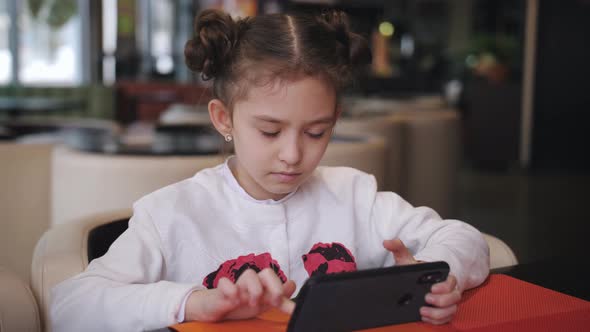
(504,48)
(59,12)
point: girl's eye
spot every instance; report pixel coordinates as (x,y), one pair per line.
(270,134)
(316,136)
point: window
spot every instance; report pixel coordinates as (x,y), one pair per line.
(5,55)
(44,39)
(162,17)
(49,42)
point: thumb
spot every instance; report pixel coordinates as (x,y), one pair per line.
(289,288)
(287,306)
(400,252)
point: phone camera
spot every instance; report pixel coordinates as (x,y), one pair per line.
(430,278)
(405,299)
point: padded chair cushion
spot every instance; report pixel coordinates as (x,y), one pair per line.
(18,308)
(85,184)
(388,127)
(430,159)
(24,203)
(62,252)
(101,237)
(500,253)
(369,154)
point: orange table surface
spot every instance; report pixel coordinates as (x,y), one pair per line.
(502,303)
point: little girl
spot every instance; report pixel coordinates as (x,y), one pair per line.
(239,238)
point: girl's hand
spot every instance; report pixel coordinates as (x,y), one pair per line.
(252,294)
(400,252)
(443,296)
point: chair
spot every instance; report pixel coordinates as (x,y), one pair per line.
(66,249)
(24,203)
(422,145)
(365,153)
(389,128)
(430,158)
(18,309)
(84,184)
(26,185)
(500,253)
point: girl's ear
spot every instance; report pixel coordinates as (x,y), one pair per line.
(220,117)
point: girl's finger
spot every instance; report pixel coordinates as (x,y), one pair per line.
(401,253)
(273,286)
(439,315)
(287,305)
(446,286)
(250,287)
(433,321)
(221,300)
(289,288)
(228,289)
(443,300)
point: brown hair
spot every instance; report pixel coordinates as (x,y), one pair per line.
(261,49)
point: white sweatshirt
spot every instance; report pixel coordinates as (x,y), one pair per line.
(188,235)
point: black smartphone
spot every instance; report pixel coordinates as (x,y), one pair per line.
(365,299)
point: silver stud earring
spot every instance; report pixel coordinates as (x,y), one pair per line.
(228,138)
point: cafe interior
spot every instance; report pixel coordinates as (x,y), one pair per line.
(475,108)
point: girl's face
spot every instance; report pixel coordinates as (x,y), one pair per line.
(280,133)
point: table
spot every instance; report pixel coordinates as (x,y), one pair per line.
(15,106)
(563,274)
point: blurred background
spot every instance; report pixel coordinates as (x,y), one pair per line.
(481,108)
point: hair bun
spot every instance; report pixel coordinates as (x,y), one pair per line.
(359,51)
(215,37)
(337,21)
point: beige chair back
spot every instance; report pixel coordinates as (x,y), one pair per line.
(501,255)
(24,202)
(87,183)
(430,158)
(423,138)
(365,153)
(18,309)
(389,128)
(62,252)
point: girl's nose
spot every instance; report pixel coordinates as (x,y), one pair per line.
(290,151)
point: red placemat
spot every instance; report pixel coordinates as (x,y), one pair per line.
(502,303)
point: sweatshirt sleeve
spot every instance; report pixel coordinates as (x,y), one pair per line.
(123,290)
(427,236)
